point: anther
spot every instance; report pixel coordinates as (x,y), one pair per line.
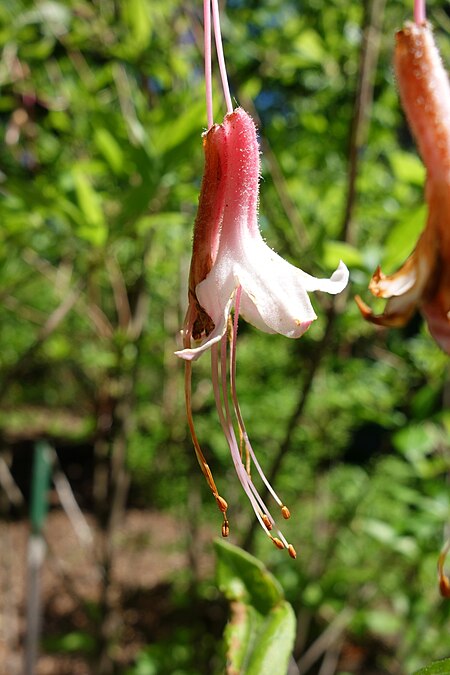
(266,521)
(225,529)
(278,543)
(221,503)
(285,512)
(292,552)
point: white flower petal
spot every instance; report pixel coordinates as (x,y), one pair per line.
(193,353)
(273,291)
(335,284)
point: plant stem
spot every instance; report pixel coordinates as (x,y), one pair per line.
(207,56)
(220,56)
(374,10)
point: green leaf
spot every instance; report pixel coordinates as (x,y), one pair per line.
(407,167)
(138,17)
(110,149)
(180,127)
(94,230)
(334,251)
(76,641)
(310,46)
(436,668)
(402,238)
(165,219)
(271,652)
(260,635)
(243,578)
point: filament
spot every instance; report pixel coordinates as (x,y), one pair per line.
(234,397)
(419,12)
(230,436)
(221,503)
(208,67)
(262,513)
(220,56)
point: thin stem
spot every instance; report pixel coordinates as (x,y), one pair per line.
(262,513)
(208,68)
(221,503)
(419,12)
(370,47)
(230,435)
(220,56)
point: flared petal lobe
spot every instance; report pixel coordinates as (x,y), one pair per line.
(274,294)
(423,281)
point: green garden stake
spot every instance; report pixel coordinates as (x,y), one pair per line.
(42,465)
(39,487)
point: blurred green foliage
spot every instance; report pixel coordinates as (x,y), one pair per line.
(102,111)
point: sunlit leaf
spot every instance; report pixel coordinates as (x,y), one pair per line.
(94,229)
(261,632)
(436,668)
(110,149)
(402,239)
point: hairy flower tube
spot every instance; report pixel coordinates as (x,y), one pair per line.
(423,281)
(234,273)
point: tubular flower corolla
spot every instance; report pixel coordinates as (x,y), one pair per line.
(423,281)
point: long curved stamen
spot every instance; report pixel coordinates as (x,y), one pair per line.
(419,12)
(221,503)
(262,513)
(220,56)
(237,410)
(229,435)
(208,65)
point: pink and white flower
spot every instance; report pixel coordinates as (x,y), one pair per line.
(274,293)
(234,271)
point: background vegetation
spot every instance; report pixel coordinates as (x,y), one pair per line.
(102,110)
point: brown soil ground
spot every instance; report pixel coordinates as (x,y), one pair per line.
(148,556)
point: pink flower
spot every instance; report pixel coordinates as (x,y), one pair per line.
(233,268)
(274,293)
(423,282)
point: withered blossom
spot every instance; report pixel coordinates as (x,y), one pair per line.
(423,281)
